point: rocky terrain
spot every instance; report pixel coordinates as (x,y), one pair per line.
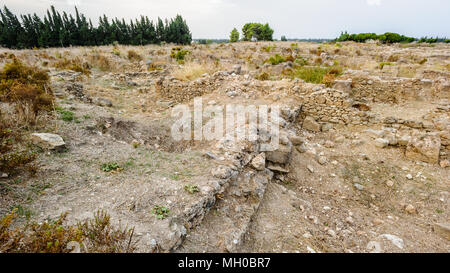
(362,165)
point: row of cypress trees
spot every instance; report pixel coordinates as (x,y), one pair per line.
(62,30)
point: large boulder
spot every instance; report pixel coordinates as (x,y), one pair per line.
(424,148)
(48,141)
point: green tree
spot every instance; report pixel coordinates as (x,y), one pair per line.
(257,31)
(234,36)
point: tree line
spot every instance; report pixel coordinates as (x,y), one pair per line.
(62,30)
(388,38)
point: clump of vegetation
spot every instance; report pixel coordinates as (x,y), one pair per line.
(95,235)
(101,62)
(111,167)
(393,58)
(316,74)
(264,76)
(161,212)
(21,83)
(75,64)
(191,189)
(116,51)
(179,54)
(423,61)
(134,56)
(268,48)
(27,89)
(191,71)
(383,64)
(276,59)
(65,115)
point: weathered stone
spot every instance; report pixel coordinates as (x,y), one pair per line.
(281,155)
(222,172)
(343,85)
(410,209)
(424,148)
(103,102)
(381,142)
(277,168)
(322,160)
(48,141)
(259,162)
(339,139)
(296,140)
(327,127)
(444,163)
(310,124)
(389,183)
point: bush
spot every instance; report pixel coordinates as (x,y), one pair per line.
(276,59)
(95,235)
(75,65)
(179,54)
(27,88)
(264,76)
(101,62)
(134,56)
(381,66)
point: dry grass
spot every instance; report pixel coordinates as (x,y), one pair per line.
(96,235)
(134,56)
(191,71)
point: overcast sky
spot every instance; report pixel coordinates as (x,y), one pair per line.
(293,18)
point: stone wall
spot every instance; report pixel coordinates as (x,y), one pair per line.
(335,106)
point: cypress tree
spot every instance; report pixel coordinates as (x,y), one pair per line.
(56,30)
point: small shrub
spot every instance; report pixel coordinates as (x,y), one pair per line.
(191,189)
(423,61)
(276,59)
(134,56)
(101,62)
(393,58)
(268,48)
(179,54)
(66,115)
(110,167)
(316,74)
(161,212)
(381,66)
(264,76)
(191,71)
(75,65)
(94,235)
(328,80)
(116,51)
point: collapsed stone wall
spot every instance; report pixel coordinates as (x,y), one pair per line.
(179,91)
(376,89)
(335,106)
